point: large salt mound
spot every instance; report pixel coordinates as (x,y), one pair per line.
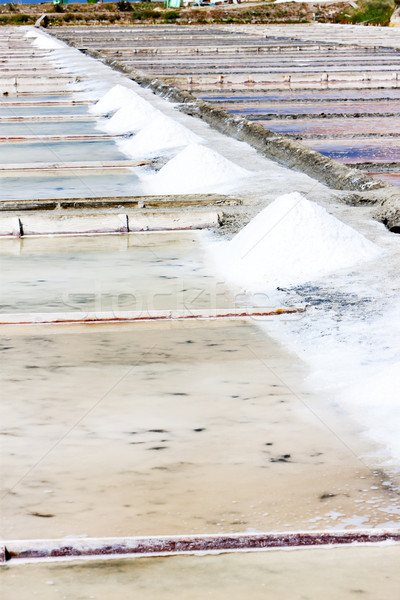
(196,169)
(131,118)
(161,134)
(114,99)
(292,241)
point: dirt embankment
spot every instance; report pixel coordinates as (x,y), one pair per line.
(123,12)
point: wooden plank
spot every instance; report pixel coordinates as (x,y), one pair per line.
(140,202)
(78,318)
(69,166)
(37,550)
(37,223)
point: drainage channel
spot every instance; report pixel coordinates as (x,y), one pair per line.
(144,423)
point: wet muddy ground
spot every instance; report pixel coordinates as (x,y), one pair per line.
(345,573)
(147,430)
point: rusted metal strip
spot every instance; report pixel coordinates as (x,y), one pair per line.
(153,546)
(142,316)
(45,118)
(31,103)
(93,137)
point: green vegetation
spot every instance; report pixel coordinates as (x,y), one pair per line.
(171,15)
(145,11)
(370,12)
(124,6)
(19,19)
(373,12)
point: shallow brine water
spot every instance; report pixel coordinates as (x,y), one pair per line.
(297,95)
(15,111)
(293,108)
(330,127)
(162,428)
(358,150)
(50,128)
(159,429)
(48,152)
(390,177)
(77,185)
(131,272)
(329,573)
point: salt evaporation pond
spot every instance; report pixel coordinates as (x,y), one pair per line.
(314,108)
(345,573)
(358,150)
(38,152)
(49,128)
(59,109)
(136,272)
(198,430)
(29,99)
(202,431)
(297,95)
(333,127)
(123,182)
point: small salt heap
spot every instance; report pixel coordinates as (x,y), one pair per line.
(44,42)
(161,134)
(196,169)
(114,99)
(130,118)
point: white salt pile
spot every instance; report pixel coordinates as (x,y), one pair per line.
(44,42)
(162,133)
(114,99)
(130,118)
(374,402)
(194,170)
(292,241)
